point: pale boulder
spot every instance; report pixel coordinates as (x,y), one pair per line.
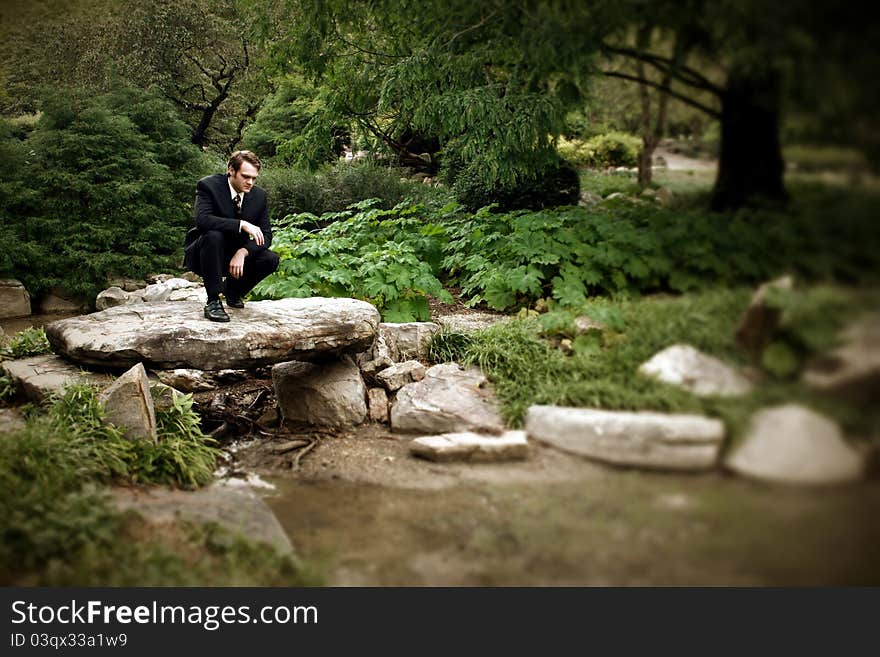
(448,400)
(639,439)
(472,447)
(327,394)
(175,335)
(684,366)
(792,444)
(14,299)
(40,377)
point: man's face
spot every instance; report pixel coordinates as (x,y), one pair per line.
(243,179)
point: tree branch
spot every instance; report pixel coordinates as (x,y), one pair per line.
(684,74)
(688,101)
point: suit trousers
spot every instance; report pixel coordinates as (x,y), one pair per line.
(213,252)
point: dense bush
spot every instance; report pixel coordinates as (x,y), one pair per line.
(101,187)
(396,257)
(334,188)
(387,257)
(612,149)
(556,185)
(278,128)
(508,260)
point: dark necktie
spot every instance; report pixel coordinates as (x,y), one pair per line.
(237,202)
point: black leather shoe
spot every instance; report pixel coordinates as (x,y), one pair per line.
(234,302)
(214,311)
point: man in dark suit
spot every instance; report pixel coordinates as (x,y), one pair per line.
(232,235)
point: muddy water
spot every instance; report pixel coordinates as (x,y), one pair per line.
(620,528)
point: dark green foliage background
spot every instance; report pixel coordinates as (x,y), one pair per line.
(102,186)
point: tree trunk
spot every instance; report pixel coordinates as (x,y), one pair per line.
(751,166)
(646,161)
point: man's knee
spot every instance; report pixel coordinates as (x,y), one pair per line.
(272,261)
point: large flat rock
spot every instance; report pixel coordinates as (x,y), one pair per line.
(638,439)
(39,377)
(176,334)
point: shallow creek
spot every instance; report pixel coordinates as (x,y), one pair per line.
(599,527)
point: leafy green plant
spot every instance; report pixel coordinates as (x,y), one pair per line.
(387,257)
(103,188)
(8,388)
(612,149)
(554,185)
(29,342)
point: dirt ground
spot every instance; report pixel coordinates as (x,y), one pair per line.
(367,513)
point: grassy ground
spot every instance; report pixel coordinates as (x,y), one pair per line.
(59,529)
(528,363)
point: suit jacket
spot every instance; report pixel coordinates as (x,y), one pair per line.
(214,210)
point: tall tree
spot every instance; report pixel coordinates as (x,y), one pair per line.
(484,81)
(200,54)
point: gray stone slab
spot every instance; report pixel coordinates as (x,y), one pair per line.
(472,447)
(238,509)
(174,335)
(638,439)
(38,377)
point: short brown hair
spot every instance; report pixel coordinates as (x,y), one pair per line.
(238,157)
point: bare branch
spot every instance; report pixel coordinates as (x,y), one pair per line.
(687,101)
(476,26)
(683,74)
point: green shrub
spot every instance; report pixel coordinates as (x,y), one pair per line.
(556,185)
(613,149)
(29,342)
(387,257)
(335,188)
(279,125)
(101,187)
(509,260)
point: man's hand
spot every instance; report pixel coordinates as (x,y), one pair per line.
(236,265)
(254,231)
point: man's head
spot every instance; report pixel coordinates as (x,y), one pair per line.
(244,167)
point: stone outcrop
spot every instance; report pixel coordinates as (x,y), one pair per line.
(176,335)
(472,447)
(14,299)
(447,400)
(38,377)
(588,198)
(327,394)
(377,402)
(238,509)
(190,380)
(640,439)
(853,369)
(682,365)
(398,375)
(166,289)
(371,368)
(794,445)
(759,321)
(407,339)
(58,301)
(129,404)
(112,297)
